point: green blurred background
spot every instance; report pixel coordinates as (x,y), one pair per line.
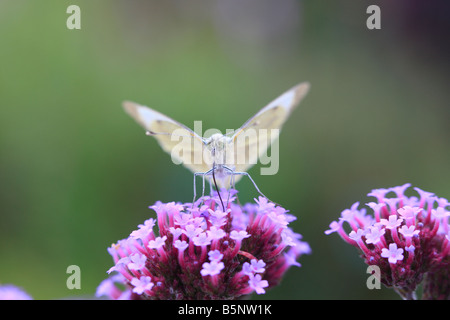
(76,173)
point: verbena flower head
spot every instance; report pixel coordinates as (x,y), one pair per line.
(11,292)
(406,237)
(203,252)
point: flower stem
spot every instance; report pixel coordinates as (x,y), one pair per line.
(406,294)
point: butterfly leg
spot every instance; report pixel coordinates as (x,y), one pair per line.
(210,186)
(237,196)
(195,185)
(256,187)
(231,186)
(203,174)
(203,187)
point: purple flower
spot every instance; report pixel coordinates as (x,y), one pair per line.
(181,245)
(374,235)
(239,235)
(215,255)
(406,237)
(392,223)
(215,233)
(203,252)
(409,232)
(257,266)
(110,287)
(440,213)
(356,235)
(11,292)
(201,240)
(141,233)
(143,284)
(157,243)
(212,268)
(176,232)
(191,231)
(408,212)
(257,284)
(137,261)
(334,227)
(394,254)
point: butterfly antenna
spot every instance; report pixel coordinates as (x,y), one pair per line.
(152,133)
(217,188)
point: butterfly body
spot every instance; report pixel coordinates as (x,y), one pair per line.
(218,145)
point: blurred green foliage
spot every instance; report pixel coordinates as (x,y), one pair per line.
(76,173)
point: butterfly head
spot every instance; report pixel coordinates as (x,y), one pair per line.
(217,143)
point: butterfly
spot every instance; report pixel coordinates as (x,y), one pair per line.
(224,159)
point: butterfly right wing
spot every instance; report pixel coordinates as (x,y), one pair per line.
(183,144)
(254,137)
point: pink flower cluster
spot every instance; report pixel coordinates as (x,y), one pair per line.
(203,252)
(408,238)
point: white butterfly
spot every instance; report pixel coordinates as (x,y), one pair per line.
(223,158)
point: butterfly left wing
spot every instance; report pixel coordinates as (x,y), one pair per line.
(251,140)
(183,144)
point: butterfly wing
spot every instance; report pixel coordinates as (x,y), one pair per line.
(183,144)
(255,136)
